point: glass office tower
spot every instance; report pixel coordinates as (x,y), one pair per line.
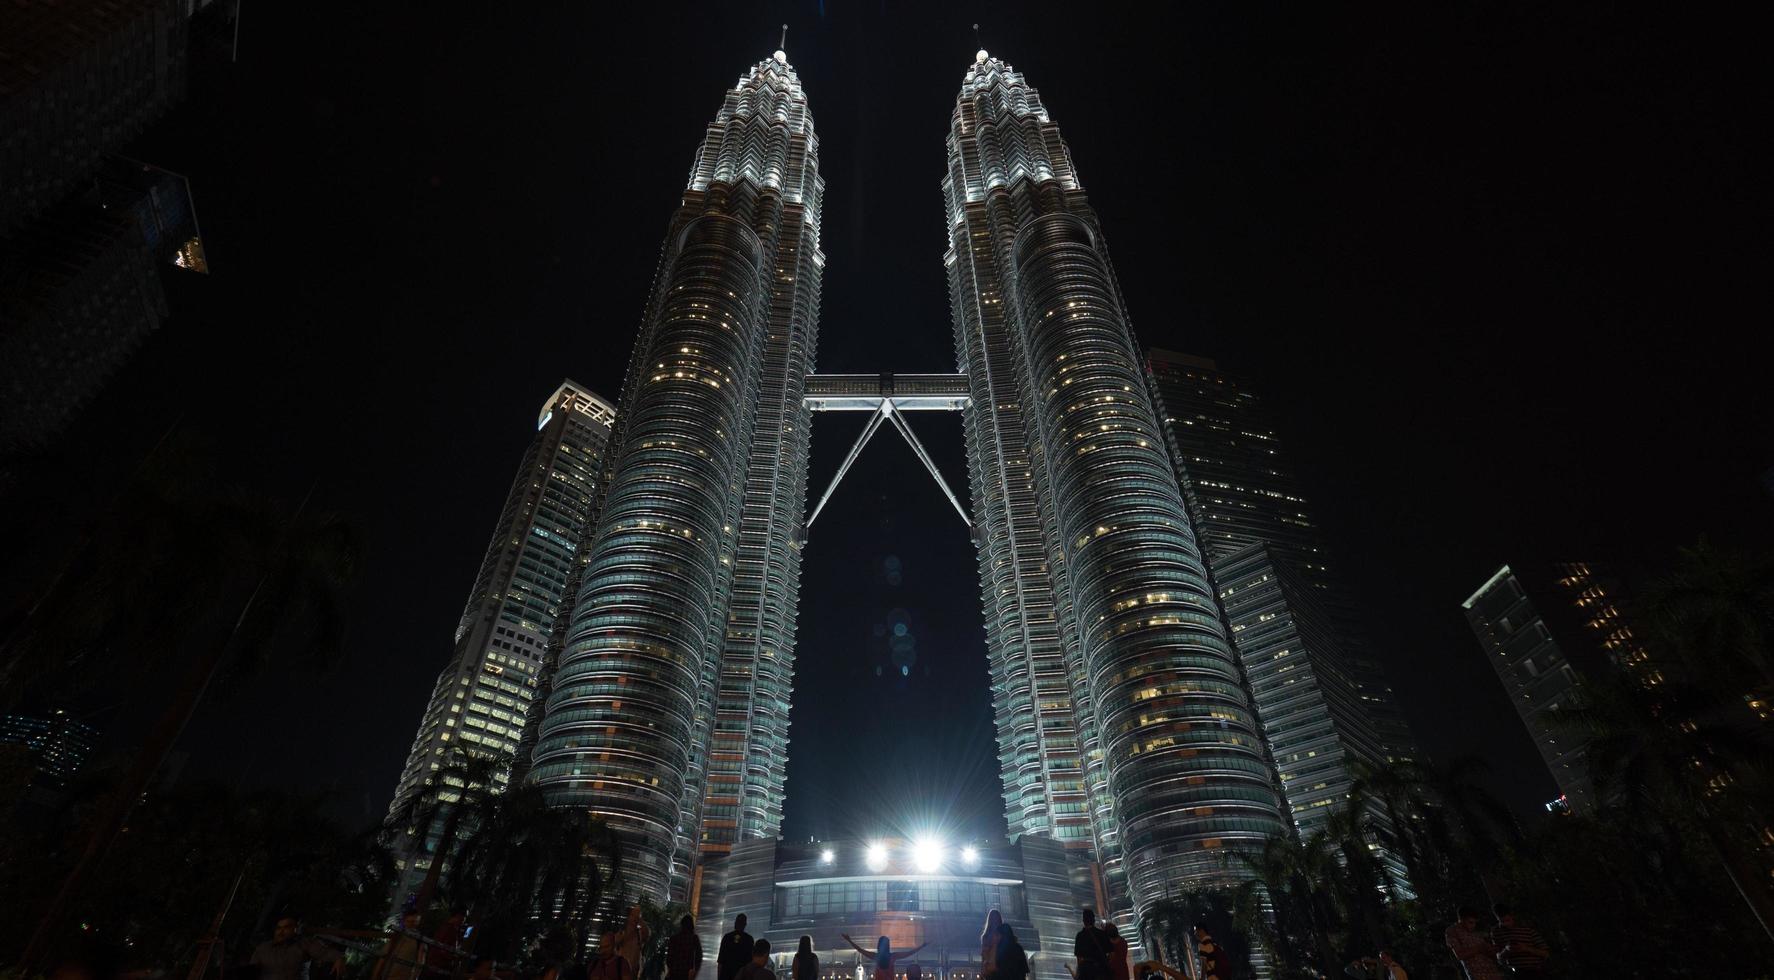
(1313,717)
(482,696)
(1536,670)
(670,702)
(1242,493)
(1325,707)
(1123,722)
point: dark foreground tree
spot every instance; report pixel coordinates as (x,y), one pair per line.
(1168,927)
(461,793)
(196,578)
(181,855)
(525,869)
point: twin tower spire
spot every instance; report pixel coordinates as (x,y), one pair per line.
(1124,731)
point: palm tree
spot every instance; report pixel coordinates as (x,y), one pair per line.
(462,790)
(1713,620)
(1300,880)
(1462,830)
(1651,756)
(1364,877)
(1169,925)
(172,572)
(197,579)
(190,847)
(1164,928)
(46,631)
(529,866)
(1400,789)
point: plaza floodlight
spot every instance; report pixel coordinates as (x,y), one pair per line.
(927,854)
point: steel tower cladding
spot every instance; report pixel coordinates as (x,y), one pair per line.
(748,751)
(1081,519)
(721,353)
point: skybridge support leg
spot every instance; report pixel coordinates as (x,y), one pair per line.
(899,423)
(868,432)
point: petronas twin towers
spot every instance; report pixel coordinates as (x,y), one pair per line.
(1123,726)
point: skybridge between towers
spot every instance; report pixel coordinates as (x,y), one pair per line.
(887,397)
(667,712)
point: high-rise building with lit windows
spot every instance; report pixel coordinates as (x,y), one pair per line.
(483,694)
(1129,748)
(1536,670)
(56,742)
(1124,726)
(1314,720)
(668,712)
(1243,493)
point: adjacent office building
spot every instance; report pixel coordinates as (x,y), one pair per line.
(58,743)
(1242,492)
(1324,705)
(482,696)
(1533,659)
(1591,603)
(78,80)
(85,234)
(1316,725)
(81,291)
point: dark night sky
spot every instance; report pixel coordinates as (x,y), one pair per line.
(1496,268)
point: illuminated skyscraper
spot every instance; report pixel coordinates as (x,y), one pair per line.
(481,698)
(1313,717)
(1544,628)
(1242,493)
(670,702)
(57,742)
(1325,707)
(1126,733)
(1123,723)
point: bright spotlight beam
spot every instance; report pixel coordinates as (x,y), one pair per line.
(877,857)
(970,855)
(927,854)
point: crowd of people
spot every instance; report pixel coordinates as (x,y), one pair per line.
(407,953)
(1510,947)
